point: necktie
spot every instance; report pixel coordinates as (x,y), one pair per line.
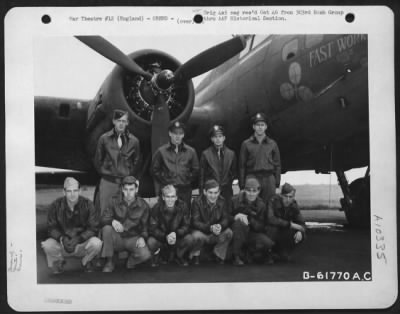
(119,141)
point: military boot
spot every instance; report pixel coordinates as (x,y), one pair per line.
(155,260)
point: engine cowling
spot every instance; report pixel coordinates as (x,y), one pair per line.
(133,93)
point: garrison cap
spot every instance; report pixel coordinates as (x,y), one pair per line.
(259,117)
(117,113)
(176,125)
(287,188)
(252,182)
(210,184)
(130,180)
(70,181)
(216,129)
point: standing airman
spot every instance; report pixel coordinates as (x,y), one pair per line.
(117,156)
(218,162)
(176,163)
(259,155)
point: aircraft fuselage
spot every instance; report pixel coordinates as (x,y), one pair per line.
(314,89)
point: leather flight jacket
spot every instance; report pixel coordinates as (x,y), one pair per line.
(178,169)
(114,163)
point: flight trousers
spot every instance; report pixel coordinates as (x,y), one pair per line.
(227,193)
(268,185)
(283,238)
(219,242)
(181,246)
(107,190)
(243,238)
(55,251)
(113,242)
(185,194)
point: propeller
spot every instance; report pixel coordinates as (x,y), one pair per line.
(199,64)
(160,124)
(210,58)
(157,85)
(203,62)
(108,50)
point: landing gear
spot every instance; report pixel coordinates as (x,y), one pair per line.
(356,200)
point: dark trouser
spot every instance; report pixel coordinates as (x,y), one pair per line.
(268,185)
(181,246)
(184,193)
(227,192)
(283,238)
(219,242)
(252,241)
(107,190)
(113,242)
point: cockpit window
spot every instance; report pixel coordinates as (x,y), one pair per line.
(290,49)
(312,40)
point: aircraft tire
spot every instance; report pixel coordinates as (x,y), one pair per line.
(358,215)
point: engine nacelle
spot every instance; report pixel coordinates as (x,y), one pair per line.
(133,93)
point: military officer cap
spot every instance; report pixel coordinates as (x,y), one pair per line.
(287,188)
(259,117)
(176,125)
(252,182)
(117,113)
(130,180)
(216,129)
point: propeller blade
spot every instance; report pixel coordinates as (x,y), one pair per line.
(108,50)
(159,124)
(210,58)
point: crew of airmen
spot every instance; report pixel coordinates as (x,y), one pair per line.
(256,225)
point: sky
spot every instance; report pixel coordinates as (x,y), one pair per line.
(65,67)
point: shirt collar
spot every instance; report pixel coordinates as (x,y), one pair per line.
(209,204)
(122,200)
(75,206)
(115,134)
(216,150)
(293,204)
(164,208)
(181,147)
(254,139)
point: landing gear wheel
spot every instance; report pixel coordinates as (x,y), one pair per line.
(358,214)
